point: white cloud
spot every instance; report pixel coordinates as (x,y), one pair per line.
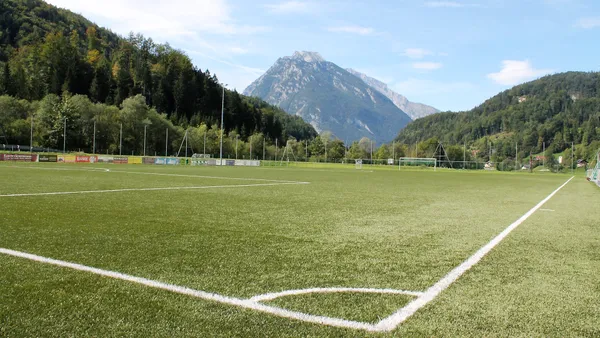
(238,50)
(427,65)
(352,30)
(162,20)
(251,70)
(588,23)
(416,53)
(290,7)
(514,72)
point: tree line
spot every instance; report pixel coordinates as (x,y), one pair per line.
(552,114)
(49,54)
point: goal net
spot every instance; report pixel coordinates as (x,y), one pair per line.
(594,174)
(417,162)
(358,164)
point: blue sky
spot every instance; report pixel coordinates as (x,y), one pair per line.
(449,54)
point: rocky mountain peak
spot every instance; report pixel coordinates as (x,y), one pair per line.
(308,56)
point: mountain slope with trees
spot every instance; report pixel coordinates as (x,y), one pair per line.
(49,54)
(557,110)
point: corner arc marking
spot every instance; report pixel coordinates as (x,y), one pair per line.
(275,295)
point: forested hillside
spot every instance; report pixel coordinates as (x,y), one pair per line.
(556,110)
(50,56)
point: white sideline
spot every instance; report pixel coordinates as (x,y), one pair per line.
(391,322)
(243,303)
(275,295)
(156,174)
(148,189)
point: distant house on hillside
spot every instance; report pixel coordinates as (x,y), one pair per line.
(581,163)
(522,99)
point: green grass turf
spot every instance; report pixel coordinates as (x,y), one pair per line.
(349,228)
(364,307)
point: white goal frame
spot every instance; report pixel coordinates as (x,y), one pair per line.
(358,164)
(417,160)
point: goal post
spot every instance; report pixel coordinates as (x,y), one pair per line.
(358,164)
(417,162)
(594,173)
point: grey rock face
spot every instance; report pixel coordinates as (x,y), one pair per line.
(413,109)
(329,97)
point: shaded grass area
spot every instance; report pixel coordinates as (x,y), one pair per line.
(382,229)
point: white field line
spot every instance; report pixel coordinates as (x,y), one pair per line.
(243,303)
(157,174)
(148,189)
(271,296)
(391,322)
(547,210)
(349,170)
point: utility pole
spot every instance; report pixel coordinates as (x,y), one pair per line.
(572,156)
(31,136)
(465,155)
(516,156)
(65,136)
(121,140)
(544,155)
(222,113)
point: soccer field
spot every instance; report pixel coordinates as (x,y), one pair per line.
(124,250)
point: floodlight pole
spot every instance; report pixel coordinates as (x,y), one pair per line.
(94,140)
(31,136)
(65,136)
(167,142)
(263,148)
(222,113)
(465,155)
(572,156)
(516,155)
(205,142)
(144,152)
(121,139)
(306,141)
(544,155)
(250,146)
(275,149)
(236,146)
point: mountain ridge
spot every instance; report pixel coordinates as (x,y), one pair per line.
(414,109)
(328,97)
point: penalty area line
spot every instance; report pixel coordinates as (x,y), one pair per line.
(391,322)
(242,303)
(149,189)
(157,174)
